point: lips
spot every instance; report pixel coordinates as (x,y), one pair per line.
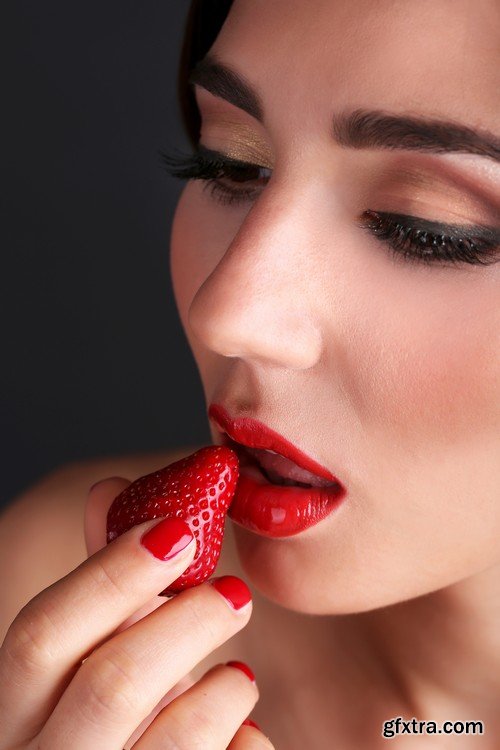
(281,490)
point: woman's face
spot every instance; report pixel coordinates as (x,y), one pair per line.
(383,368)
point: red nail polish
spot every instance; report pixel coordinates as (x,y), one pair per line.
(167,538)
(250,723)
(244,668)
(233,589)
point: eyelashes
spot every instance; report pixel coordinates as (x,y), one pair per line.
(409,238)
(430,241)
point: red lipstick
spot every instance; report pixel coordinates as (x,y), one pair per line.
(265,506)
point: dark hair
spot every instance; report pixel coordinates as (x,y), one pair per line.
(204,21)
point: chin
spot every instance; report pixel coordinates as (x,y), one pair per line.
(288,573)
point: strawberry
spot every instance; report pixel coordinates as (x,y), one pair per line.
(199,489)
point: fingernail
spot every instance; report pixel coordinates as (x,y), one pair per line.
(167,538)
(233,589)
(250,723)
(244,668)
(102,481)
(94,485)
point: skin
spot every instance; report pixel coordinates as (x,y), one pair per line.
(387,373)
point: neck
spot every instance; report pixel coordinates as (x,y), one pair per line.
(435,658)
(441,651)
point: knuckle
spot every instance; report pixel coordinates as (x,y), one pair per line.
(189,727)
(111,685)
(110,582)
(30,641)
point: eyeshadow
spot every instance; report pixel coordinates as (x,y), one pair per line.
(237,140)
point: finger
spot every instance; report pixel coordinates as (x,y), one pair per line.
(205,716)
(250,738)
(125,678)
(61,625)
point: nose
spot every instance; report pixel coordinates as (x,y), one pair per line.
(258,303)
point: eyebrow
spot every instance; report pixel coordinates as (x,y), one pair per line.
(359,128)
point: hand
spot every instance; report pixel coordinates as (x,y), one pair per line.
(94,655)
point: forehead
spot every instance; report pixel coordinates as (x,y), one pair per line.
(312,58)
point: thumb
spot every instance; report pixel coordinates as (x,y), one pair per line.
(99,500)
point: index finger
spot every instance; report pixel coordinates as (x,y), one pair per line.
(100,497)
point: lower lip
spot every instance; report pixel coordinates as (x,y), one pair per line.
(279,511)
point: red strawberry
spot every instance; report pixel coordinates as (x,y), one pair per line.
(198,489)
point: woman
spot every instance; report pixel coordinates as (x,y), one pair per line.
(335,265)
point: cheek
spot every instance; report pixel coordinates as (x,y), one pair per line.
(429,354)
(425,388)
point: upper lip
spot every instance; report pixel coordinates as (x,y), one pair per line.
(254,434)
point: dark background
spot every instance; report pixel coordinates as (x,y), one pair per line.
(94,359)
